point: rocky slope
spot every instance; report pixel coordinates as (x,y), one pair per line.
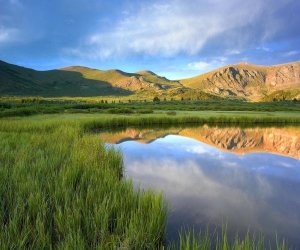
(283,76)
(248,81)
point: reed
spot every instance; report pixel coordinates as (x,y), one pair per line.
(61,188)
(206,240)
(181,120)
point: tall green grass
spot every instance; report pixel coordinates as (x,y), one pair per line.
(90,124)
(206,240)
(168,120)
(61,188)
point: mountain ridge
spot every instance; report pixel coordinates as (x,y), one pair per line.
(242,81)
(250,81)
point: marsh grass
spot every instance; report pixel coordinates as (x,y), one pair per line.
(61,188)
(206,240)
(123,122)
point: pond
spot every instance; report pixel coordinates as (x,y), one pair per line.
(247,178)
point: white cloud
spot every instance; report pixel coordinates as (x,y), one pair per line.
(176,27)
(233,52)
(207,65)
(199,65)
(264,48)
(196,191)
(291,53)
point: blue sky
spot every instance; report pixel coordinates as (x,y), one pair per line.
(174,38)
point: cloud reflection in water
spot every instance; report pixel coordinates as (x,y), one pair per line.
(205,185)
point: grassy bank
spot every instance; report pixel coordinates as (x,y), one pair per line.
(60,188)
(184,120)
(93,122)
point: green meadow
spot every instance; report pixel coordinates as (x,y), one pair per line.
(62,188)
(15,106)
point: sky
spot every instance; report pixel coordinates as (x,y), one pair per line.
(173,38)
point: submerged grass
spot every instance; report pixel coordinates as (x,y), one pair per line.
(189,240)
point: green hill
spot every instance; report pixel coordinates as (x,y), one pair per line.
(77,81)
(16,80)
(139,81)
(239,81)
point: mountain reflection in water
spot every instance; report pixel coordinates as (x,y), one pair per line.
(248,178)
(285,141)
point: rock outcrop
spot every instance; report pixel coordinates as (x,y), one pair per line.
(283,76)
(248,81)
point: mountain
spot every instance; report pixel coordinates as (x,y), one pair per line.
(239,81)
(77,81)
(250,82)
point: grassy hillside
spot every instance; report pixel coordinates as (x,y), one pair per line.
(15,80)
(240,81)
(154,78)
(139,81)
(77,81)
(281,95)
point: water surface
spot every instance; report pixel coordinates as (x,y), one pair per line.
(248,178)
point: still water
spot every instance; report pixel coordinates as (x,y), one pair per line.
(247,178)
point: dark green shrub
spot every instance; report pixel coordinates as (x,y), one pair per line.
(156,99)
(145,111)
(171,113)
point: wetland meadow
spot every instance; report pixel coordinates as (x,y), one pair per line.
(157,180)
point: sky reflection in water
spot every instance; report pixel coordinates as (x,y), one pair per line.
(205,185)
